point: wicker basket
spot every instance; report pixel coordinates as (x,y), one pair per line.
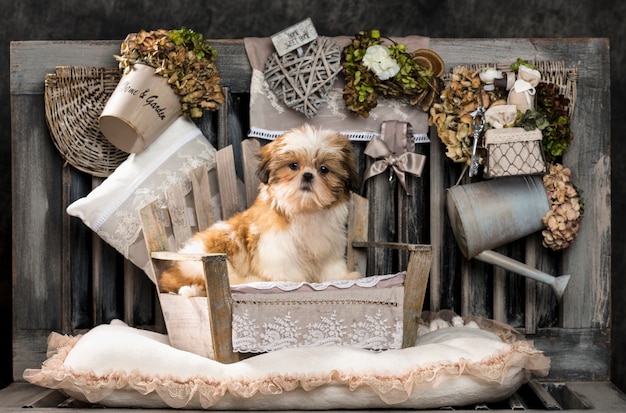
(74,98)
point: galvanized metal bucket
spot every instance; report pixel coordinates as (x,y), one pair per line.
(489,214)
(486,215)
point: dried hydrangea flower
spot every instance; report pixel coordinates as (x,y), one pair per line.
(184,58)
(564,218)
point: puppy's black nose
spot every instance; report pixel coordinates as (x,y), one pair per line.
(307,176)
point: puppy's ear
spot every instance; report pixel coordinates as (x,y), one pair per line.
(263,169)
(353,182)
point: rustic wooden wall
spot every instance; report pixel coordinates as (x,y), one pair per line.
(112,19)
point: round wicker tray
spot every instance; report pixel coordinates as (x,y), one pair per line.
(74,99)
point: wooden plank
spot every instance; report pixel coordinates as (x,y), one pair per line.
(66,257)
(220,302)
(249,152)
(222,120)
(177,209)
(138,303)
(437,217)
(382,225)
(153,228)
(357,233)
(415,284)
(202,201)
(575,354)
(22,395)
(228,183)
(392,245)
(29,350)
(79,256)
(32,60)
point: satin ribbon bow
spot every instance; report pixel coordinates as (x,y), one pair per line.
(390,150)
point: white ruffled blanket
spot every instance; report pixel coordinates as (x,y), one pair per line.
(119,366)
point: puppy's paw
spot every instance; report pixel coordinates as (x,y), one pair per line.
(191,291)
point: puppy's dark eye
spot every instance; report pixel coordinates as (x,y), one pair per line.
(294,166)
(324,170)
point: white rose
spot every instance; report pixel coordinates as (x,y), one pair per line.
(378,60)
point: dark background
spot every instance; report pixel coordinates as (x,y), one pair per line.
(113,19)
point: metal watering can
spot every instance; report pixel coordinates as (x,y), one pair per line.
(489,214)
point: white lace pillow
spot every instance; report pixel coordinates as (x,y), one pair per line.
(119,366)
(111,209)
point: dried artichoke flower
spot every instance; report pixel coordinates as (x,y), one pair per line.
(564,219)
(184,58)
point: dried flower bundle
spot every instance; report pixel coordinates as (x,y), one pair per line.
(564,218)
(374,70)
(185,59)
(451,114)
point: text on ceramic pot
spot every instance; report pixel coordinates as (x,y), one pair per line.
(150,100)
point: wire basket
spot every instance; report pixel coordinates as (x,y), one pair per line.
(74,98)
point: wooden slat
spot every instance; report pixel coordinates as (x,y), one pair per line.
(202,201)
(80,257)
(437,217)
(249,153)
(382,225)
(66,254)
(32,60)
(153,228)
(357,233)
(222,120)
(177,209)
(401,246)
(415,284)
(22,395)
(220,309)
(228,182)
(36,221)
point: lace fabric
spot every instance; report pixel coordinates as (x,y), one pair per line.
(111,209)
(368,319)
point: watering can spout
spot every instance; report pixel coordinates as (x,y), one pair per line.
(558,284)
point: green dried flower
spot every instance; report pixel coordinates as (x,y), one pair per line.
(185,59)
(414,83)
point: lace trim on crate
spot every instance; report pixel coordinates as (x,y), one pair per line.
(376,330)
(365,282)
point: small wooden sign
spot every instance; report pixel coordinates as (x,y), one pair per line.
(294,37)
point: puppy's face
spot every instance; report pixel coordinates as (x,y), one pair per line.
(308,169)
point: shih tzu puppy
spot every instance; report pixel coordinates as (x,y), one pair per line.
(296,228)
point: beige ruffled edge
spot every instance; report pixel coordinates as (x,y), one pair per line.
(178,393)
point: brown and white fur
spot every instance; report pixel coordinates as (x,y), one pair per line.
(296,228)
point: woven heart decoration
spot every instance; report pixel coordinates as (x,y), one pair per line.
(302,80)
